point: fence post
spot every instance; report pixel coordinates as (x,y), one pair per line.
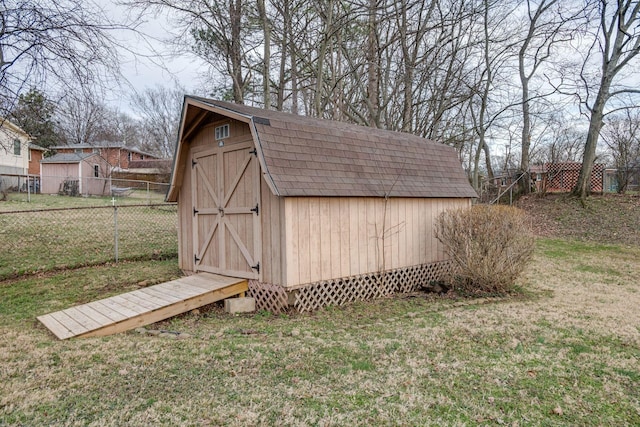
(148,194)
(115,228)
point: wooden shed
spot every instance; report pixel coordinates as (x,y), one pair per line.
(71,174)
(313,212)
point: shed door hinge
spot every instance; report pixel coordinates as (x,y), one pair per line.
(193,163)
(256,267)
(195,211)
(195,258)
(254,152)
(256,209)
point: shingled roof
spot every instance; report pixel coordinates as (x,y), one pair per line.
(305,156)
(67,158)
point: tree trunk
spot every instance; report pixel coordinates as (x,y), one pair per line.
(619,46)
(407,101)
(525,185)
(583,185)
(373,71)
(266,61)
(322,51)
(235,15)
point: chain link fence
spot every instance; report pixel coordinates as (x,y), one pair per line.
(34,240)
(84,186)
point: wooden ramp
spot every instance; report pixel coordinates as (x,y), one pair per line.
(142,307)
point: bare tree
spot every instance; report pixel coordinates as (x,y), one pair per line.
(64,44)
(563,142)
(219,32)
(159,109)
(495,53)
(548,25)
(622,136)
(618,43)
(82,120)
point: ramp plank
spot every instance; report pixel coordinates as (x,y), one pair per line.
(58,329)
(142,307)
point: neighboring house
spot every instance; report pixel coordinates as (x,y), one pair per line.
(36,153)
(115,153)
(313,212)
(562,177)
(86,174)
(14,155)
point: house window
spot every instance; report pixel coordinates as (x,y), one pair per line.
(222,132)
(77,150)
(129,156)
(17,149)
(96,171)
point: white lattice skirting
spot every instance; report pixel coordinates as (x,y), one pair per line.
(349,289)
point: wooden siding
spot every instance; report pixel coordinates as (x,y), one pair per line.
(54,174)
(91,185)
(272,218)
(185,230)
(328,238)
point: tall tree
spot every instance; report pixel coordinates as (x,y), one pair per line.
(65,44)
(548,23)
(618,43)
(34,113)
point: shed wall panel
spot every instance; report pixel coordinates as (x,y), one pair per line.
(272,217)
(54,174)
(185,231)
(329,238)
(92,185)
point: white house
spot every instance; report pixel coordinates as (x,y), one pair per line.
(14,154)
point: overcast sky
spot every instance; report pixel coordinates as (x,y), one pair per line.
(143,69)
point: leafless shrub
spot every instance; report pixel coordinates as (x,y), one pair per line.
(490,247)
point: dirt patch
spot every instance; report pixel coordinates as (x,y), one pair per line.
(607,218)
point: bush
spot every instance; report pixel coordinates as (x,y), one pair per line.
(489,245)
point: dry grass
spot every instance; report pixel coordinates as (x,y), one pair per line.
(610,218)
(566,354)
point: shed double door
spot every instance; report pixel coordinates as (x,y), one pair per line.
(226,209)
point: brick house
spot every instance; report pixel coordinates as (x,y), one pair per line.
(36,154)
(115,153)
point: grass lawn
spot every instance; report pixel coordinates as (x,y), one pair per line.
(565,352)
(22,201)
(37,241)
